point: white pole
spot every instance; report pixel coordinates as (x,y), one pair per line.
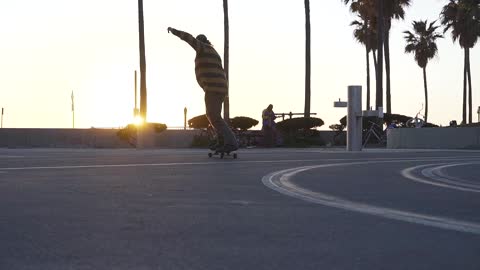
(354,119)
(185,118)
(73,111)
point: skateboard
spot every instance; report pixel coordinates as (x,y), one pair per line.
(222,154)
(214,140)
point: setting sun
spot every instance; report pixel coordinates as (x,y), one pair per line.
(96,58)
(138,120)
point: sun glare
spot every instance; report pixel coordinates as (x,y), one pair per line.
(138,120)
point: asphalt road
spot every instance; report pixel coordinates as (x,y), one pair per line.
(268,209)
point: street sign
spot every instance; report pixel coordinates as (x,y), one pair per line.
(340,104)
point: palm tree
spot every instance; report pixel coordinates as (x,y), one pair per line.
(462,17)
(143,86)
(374,9)
(307,59)
(394,9)
(366,35)
(226,103)
(421,42)
(380,39)
(384,12)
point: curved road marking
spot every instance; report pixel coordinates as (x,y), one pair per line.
(445,183)
(439,172)
(97,166)
(281,182)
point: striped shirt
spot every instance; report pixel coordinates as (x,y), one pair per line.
(208,64)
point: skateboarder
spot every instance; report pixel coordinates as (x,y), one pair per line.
(211,77)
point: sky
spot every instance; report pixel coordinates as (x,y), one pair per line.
(50,48)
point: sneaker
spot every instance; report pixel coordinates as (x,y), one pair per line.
(229,148)
(213,146)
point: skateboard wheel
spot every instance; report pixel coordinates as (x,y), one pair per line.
(209,155)
(234,155)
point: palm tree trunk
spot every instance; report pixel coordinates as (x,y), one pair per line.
(464,108)
(143,80)
(368,77)
(387,69)
(426,93)
(307,59)
(380,27)
(226,102)
(469,77)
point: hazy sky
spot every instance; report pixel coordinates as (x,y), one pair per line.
(49,48)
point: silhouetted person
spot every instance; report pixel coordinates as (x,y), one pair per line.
(211,77)
(268,126)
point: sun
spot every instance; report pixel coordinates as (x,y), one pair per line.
(138,120)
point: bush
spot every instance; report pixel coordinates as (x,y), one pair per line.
(129,133)
(297,132)
(387,118)
(337,127)
(158,127)
(199,122)
(470,125)
(243,123)
(295,124)
(302,138)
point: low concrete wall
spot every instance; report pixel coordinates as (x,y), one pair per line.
(68,138)
(434,138)
(107,138)
(86,138)
(175,138)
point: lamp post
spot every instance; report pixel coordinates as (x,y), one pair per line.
(73,111)
(135,109)
(2,118)
(143,80)
(185,118)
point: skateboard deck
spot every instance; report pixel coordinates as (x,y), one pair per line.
(221,154)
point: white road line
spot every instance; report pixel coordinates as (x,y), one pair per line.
(409,174)
(223,162)
(440,173)
(148,165)
(281,182)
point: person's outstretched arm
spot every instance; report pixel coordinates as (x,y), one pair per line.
(185,37)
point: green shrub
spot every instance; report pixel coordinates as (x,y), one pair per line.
(295,124)
(337,127)
(387,118)
(240,122)
(129,133)
(470,125)
(199,122)
(297,132)
(243,123)
(303,138)
(159,127)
